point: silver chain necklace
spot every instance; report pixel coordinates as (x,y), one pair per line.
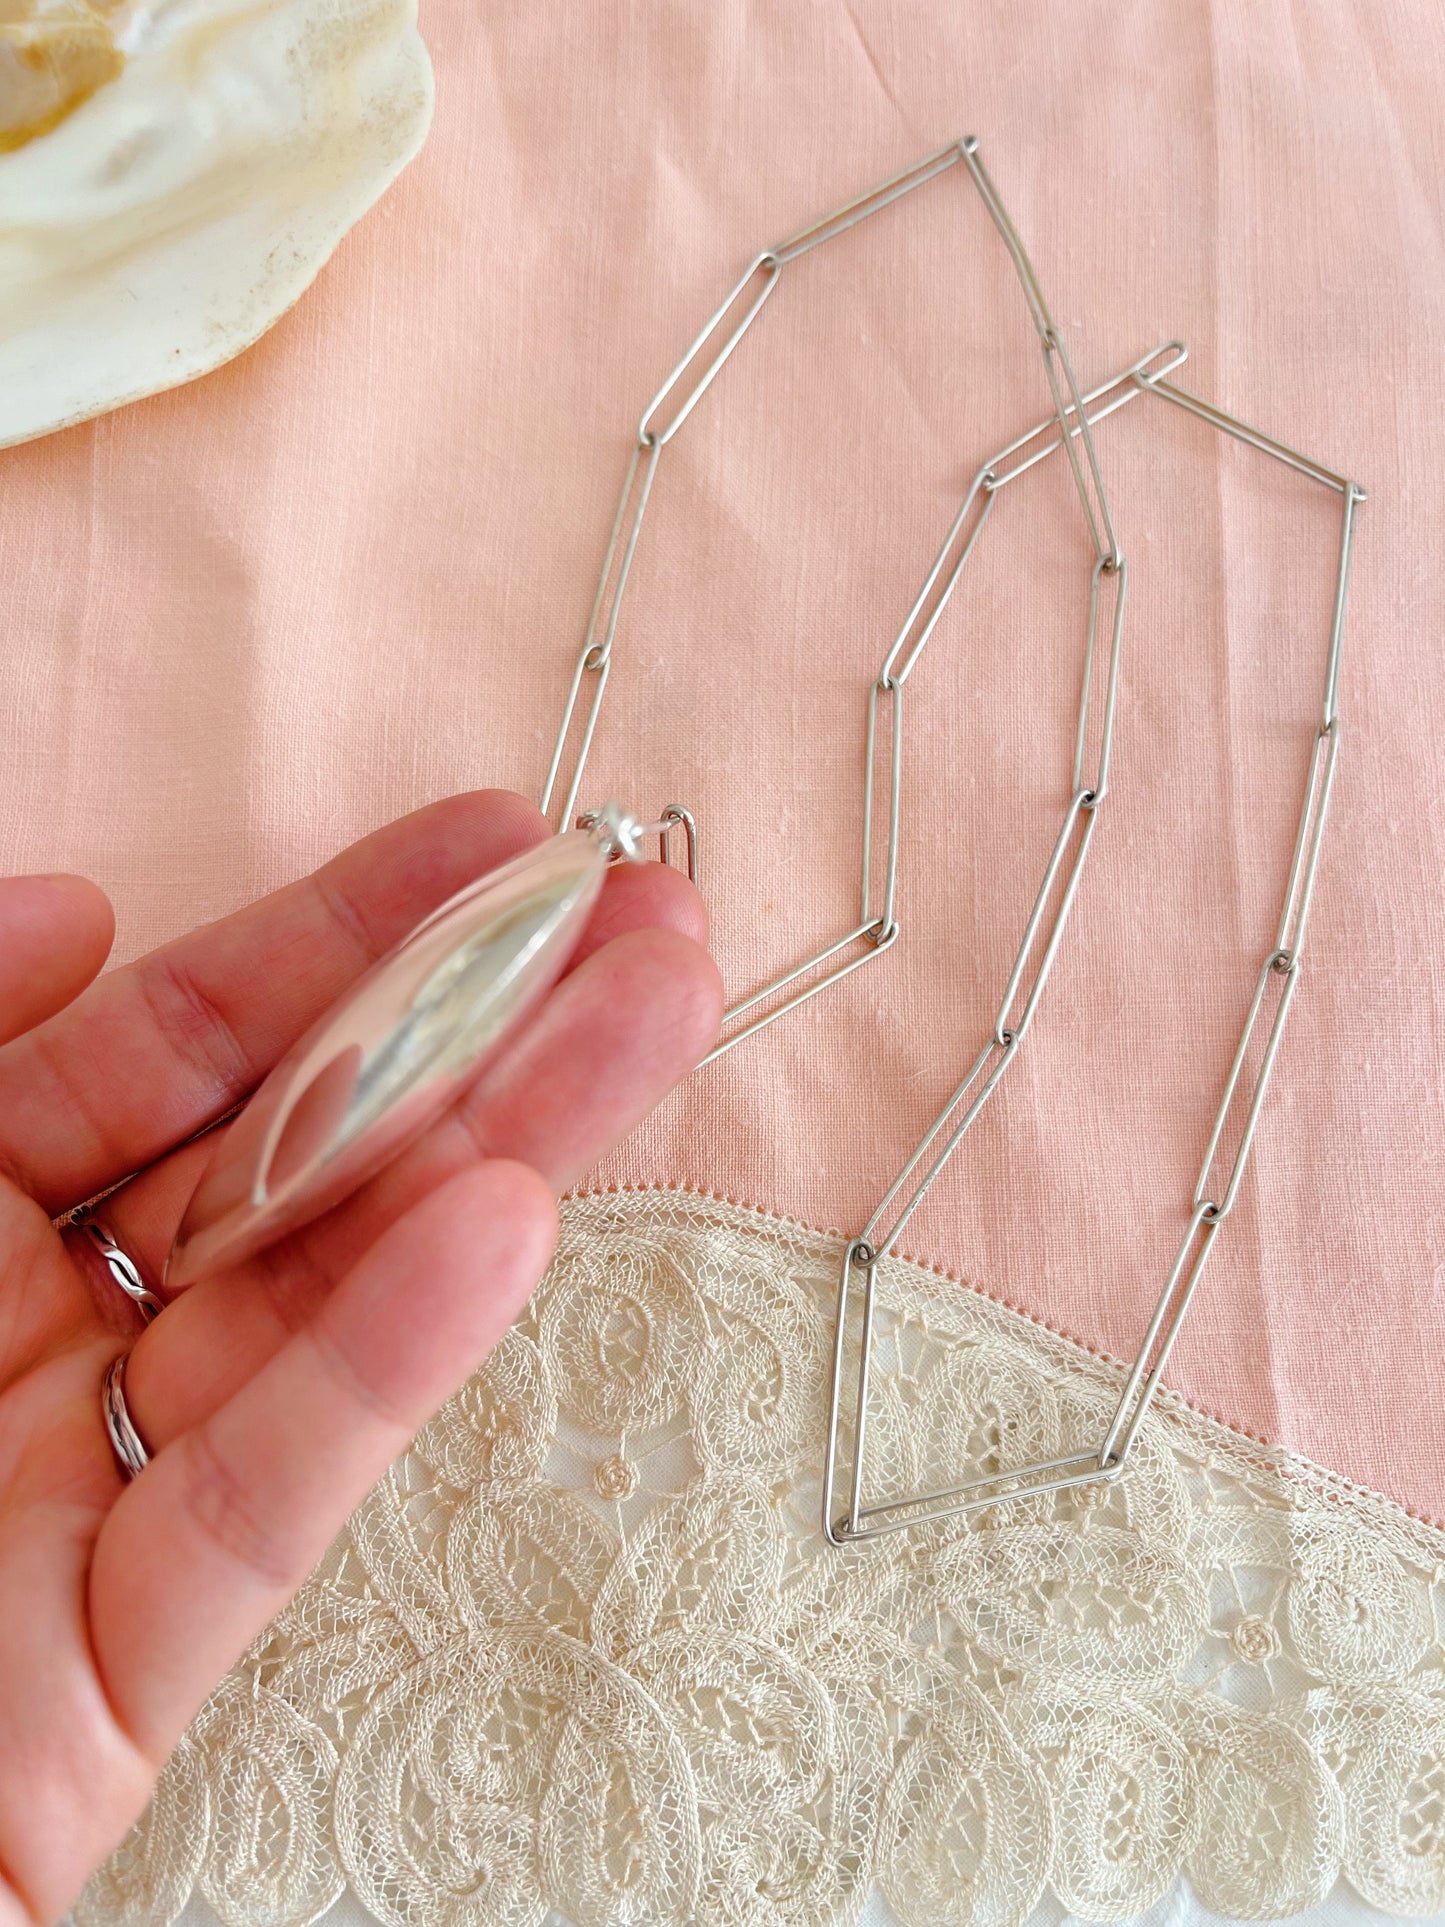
(846,1513)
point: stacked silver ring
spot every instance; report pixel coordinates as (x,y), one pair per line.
(126,1442)
(123,1268)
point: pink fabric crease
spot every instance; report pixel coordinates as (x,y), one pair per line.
(251,620)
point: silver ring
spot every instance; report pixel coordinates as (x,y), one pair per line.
(126,1442)
(122,1267)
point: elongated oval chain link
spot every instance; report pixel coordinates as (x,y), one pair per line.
(1070,428)
(704,359)
(1216,1190)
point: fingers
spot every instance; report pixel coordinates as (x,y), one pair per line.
(45,1305)
(145,1214)
(609,1043)
(151,1053)
(223,1526)
(637,895)
(605,1049)
(55,933)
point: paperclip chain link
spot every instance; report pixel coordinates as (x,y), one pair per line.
(1070,427)
(1279,974)
(1212,1202)
(877,926)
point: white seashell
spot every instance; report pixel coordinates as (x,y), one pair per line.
(177,173)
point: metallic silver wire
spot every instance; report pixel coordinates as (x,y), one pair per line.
(1210,1206)
(1163,1328)
(1121,388)
(675,817)
(1071,422)
(1070,427)
(1118,578)
(1354,495)
(766,266)
(1056,357)
(1080,811)
(121,1266)
(969,1097)
(869,936)
(125,1440)
(852,212)
(623,835)
(876,927)
(1254,437)
(596,657)
(1300,889)
(1275,969)
(981,485)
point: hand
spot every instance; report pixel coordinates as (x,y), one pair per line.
(273,1396)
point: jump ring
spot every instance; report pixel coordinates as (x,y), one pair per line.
(126,1442)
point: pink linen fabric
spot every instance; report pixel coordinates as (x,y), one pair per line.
(252,619)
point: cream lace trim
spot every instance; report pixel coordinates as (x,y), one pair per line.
(584,1648)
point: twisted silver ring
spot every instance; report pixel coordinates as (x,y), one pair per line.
(122,1267)
(126,1442)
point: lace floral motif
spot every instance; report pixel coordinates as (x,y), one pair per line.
(584,1647)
